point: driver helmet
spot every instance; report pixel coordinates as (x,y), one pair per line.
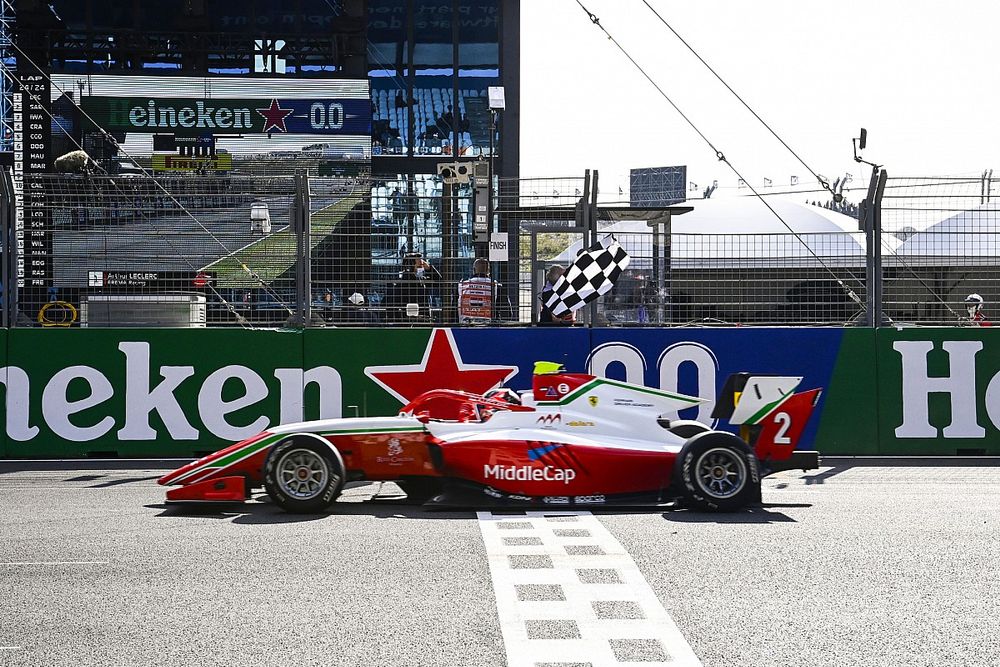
(973,303)
(504,395)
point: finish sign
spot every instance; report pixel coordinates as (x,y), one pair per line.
(499,250)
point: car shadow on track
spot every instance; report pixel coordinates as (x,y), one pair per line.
(262,511)
(820,478)
(119,481)
(758,514)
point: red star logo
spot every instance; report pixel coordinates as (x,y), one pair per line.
(274,116)
(441,368)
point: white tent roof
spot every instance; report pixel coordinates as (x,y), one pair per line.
(749,215)
(972,236)
(742,232)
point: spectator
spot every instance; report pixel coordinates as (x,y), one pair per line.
(413,287)
(974,304)
(401,102)
(482,299)
(545,316)
(447,121)
(398,203)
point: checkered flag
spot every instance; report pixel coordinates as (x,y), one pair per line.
(591,274)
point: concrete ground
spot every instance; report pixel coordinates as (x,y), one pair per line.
(847,565)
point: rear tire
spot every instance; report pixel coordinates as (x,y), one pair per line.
(304,474)
(718,473)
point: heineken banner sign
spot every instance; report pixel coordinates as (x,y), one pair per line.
(183,392)
(186,115)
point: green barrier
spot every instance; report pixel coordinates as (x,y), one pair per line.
(138,393)
(3,378)
(350,352)
(939,391)
(849,422)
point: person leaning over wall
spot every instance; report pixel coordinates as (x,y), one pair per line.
(545,316)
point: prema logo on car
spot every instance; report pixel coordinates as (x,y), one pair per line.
(549,420)
(529,473)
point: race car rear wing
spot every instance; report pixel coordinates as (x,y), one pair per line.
(771,416)
(747,398)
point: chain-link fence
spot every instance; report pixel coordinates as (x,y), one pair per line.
(793,265)
(226,250)
(356,250)
(941,245)
(170,251)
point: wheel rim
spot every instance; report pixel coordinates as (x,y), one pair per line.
(302,474)
(721,472)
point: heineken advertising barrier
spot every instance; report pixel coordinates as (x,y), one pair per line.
(137,393)
(939,391)
(3,379)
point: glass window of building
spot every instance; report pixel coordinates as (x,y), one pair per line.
(478,69)
(388,72)
(432,107)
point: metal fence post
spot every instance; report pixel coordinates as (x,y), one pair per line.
(877,286)
(590,238)
(871,224)
(449,213)
(306,249)
(866,219)
(300,220)
(584,213)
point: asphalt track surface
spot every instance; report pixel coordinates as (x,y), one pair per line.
(841,566)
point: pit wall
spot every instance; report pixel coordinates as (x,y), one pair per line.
(139,393)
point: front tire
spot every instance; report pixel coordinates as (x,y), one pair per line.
(304,474)
(718,473)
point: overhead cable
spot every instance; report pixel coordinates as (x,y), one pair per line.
(722,158)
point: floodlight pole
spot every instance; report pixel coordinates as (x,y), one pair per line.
(871,223)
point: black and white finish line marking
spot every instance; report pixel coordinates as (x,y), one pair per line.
(568,593)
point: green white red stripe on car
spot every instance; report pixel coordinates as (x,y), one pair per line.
(215,462)
(598,383)
(256,445)
(769,408)
(762,395)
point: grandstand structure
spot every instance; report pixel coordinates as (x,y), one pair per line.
(140,86)
(430,106)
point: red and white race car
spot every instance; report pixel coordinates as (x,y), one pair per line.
(573,440)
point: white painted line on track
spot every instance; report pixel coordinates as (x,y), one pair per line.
(568,592)
(58,562)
